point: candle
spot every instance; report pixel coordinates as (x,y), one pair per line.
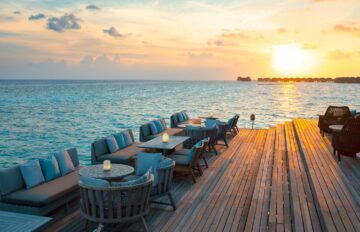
(107,165)
(165,137)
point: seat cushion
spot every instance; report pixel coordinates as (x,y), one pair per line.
(179,159)
(123,156)
(45,193)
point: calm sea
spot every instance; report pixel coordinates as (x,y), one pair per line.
(40,117)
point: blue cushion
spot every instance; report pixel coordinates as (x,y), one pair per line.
(120,140)
(90,181)
(163,123)
(181,117)
(211,123)
(50,168)
(159,126)
(230,121)
(353,112)
(32,174)
(186,116)
(11,180)
(127,138)
(141,179)
(153,128)
(145,161)
(112,144)
(65,163)
(165,162)
(192,150)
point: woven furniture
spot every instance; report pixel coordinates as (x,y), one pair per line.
(125,204)
(185,166)
(232,125)
(221,135)
(163,188)
(347,141)
(100,152)
(334,115)
(41,199)
(199,133)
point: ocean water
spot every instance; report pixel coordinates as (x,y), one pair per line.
(39,117)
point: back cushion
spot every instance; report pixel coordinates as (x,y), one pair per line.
(11,180)
(100,147)
(112,144)
(145,129)
(163,123)
(159,126)
(74,156)
(65,163)
(120,140)
(153,128)
(181,117)
(128,138)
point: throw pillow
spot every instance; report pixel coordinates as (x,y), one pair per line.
(65,163)
(112,144)
(32,174)
(50,168)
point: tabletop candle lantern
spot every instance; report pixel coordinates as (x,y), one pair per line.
(165,137)
(107,165)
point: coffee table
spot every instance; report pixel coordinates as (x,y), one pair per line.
(117,172)
(158,144)
(336,128)
(12,222)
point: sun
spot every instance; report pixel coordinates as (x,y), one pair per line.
(289,59)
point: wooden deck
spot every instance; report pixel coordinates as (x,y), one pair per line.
(279,179)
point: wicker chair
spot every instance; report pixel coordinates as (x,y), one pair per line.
(333,115)
(112,204)
(163,188)
(199,133)
(221,135)
(186,167)
(347,141)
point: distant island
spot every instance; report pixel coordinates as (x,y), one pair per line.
(304,79)
(244,79)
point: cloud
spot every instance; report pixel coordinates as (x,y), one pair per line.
(17,12)
(340,55)
(282,30)
(112,31)
(92,7)
(65,22)
(231,38)
(37,17)
(353,29)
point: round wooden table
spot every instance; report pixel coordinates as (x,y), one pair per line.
(336,128)
(117,172)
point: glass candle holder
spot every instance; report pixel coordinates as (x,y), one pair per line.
(165,138)
(107,165)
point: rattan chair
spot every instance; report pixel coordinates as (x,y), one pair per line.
(186,167)
(221,135)
(163,188)
(347,141)
(199,133)
(109,205)
(334,115)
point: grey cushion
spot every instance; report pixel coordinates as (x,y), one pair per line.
(100,147)
(45,193)
(122,156)
(11,180)
(74,156)
(145,129)
(179,159)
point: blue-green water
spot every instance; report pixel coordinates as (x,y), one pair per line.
(40,117)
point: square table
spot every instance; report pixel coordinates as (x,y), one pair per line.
(158,144)
(11,222)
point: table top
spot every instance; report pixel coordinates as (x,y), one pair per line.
(12,222)
(210,116)
(336,127)
(157,143)
(190,124)
(117,171)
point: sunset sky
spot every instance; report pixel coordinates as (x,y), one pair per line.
(175,39)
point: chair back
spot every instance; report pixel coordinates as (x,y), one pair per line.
(165,178)
(196,155)
(115,204)
(338,111)
(349,136)
(199,133)
(236,119)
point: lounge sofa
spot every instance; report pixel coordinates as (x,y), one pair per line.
(182,118)
(155,128)
(41,199)
(100,151)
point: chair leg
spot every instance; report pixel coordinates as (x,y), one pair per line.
(172,201)
(199,169)
(338,153)
(193,175)
(213,147)
(206,164)
(226,143)
(86,224)
(144,224)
